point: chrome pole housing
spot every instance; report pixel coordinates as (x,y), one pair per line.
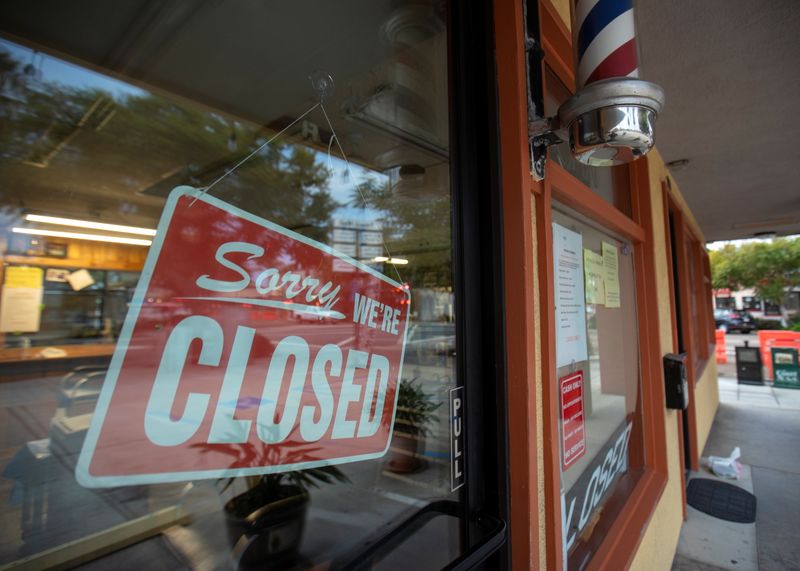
(612,121)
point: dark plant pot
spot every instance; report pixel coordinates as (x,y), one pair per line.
(265,530)
(404,453)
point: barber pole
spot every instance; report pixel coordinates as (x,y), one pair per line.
(611,119)
(605,40)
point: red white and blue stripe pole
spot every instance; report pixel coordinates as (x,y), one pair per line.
(611,117)
(604,36)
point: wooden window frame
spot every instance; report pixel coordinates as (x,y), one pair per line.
(535,519)
(619,545)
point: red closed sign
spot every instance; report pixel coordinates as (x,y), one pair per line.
(246,350)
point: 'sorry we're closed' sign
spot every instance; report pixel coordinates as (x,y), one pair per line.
(245,351)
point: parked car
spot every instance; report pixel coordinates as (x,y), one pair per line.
(729,320)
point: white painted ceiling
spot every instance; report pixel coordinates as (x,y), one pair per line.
(731,72)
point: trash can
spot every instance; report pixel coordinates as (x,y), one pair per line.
(785,367)
(748,365)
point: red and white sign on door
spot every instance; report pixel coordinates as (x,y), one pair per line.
(573,435)
(245,352)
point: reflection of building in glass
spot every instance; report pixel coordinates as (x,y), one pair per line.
(357,239)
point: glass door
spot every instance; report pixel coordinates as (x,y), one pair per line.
(230,325)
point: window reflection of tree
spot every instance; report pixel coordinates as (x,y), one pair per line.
(417,229)
(118,155)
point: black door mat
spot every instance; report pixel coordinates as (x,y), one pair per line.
(721,500)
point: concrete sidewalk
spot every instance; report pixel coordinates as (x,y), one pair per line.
(765,423)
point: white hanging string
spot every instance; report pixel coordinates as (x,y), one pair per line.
(358,188)
(254,153)
(333,138)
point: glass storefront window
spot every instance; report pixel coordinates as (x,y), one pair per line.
(597,359)
(725,302)
(750,303)
(771,308)
(100,124)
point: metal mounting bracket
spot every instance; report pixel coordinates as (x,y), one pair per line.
(541,134)
(541,130)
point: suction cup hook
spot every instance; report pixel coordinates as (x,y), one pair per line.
(322,84)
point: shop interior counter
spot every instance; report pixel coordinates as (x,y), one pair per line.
(18,362)
(57,352)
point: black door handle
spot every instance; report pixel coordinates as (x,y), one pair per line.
(366,555)
(494,540)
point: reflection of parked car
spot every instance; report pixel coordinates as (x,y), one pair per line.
(429,341)
(728,320)
(316,315)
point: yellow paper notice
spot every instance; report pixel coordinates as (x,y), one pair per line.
(594,276)
(20,276)
(611,267)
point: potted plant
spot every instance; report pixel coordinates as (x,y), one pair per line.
(415,412)
(265,522)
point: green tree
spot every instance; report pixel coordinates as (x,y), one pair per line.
(409,231)
(117,155)
(767,267)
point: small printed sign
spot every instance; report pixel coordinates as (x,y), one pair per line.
(611,278)
(346,249)
(80,279)
(573,434)
(372,238)
(458,474)
(571,344)
(594,277)
(344,235)
(23,277)
(370,251)
(56,275)
(245,352)
(21,300)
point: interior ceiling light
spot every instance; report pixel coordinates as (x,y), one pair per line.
(82,236)
(398,261)
(89,224)
(380,259)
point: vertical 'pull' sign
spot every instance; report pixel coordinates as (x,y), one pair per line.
(458,474)
(246,350)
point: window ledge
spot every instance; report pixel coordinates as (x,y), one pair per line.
(619,548)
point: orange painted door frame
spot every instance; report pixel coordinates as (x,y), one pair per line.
(665,199)
(534,486)
(519,287)
(682,331)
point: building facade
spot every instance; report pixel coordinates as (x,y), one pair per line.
(280,291)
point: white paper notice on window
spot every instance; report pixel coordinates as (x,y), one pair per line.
(570,302)
(611,264)
(80,279)
(20,309)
